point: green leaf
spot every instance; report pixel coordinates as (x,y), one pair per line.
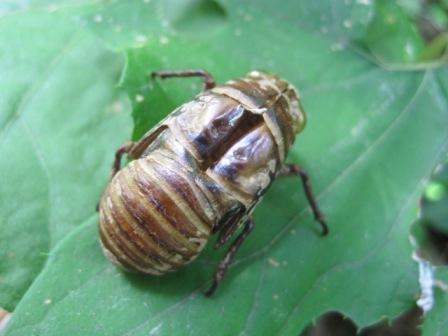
(60,111)
(436,321)
(393,36)
(129,24)
(372,138)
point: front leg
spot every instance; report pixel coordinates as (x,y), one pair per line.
(295,170)
(207,78)
(225,262)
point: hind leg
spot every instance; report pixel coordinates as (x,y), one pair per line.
(225,262)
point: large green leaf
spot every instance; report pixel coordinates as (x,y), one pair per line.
(372,139)
(59,114)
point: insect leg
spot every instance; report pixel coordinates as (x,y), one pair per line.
(227,232)
(209,82)
(225,262)
(229,223)
(116,165)
(123,149)
(295,170)
(133,149)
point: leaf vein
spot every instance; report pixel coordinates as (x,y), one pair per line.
(359,262)
(35,87)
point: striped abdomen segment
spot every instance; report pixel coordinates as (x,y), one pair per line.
(152,218)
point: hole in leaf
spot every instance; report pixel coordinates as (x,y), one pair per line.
(332,323)
(405,324)
(336,324)
(431,231)
(402,34)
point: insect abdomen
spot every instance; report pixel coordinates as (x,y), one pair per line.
(151,219)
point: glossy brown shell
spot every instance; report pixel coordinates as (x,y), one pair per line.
(218,151)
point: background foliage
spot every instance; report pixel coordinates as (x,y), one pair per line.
(378,122)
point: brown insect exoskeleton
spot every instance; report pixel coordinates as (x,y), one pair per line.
(200,171)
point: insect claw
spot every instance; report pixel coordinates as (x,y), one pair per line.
(220,242)
(209,292)
(325,229)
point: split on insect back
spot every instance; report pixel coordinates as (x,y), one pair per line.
(201,171)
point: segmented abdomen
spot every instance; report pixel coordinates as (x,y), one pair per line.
(153,216)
